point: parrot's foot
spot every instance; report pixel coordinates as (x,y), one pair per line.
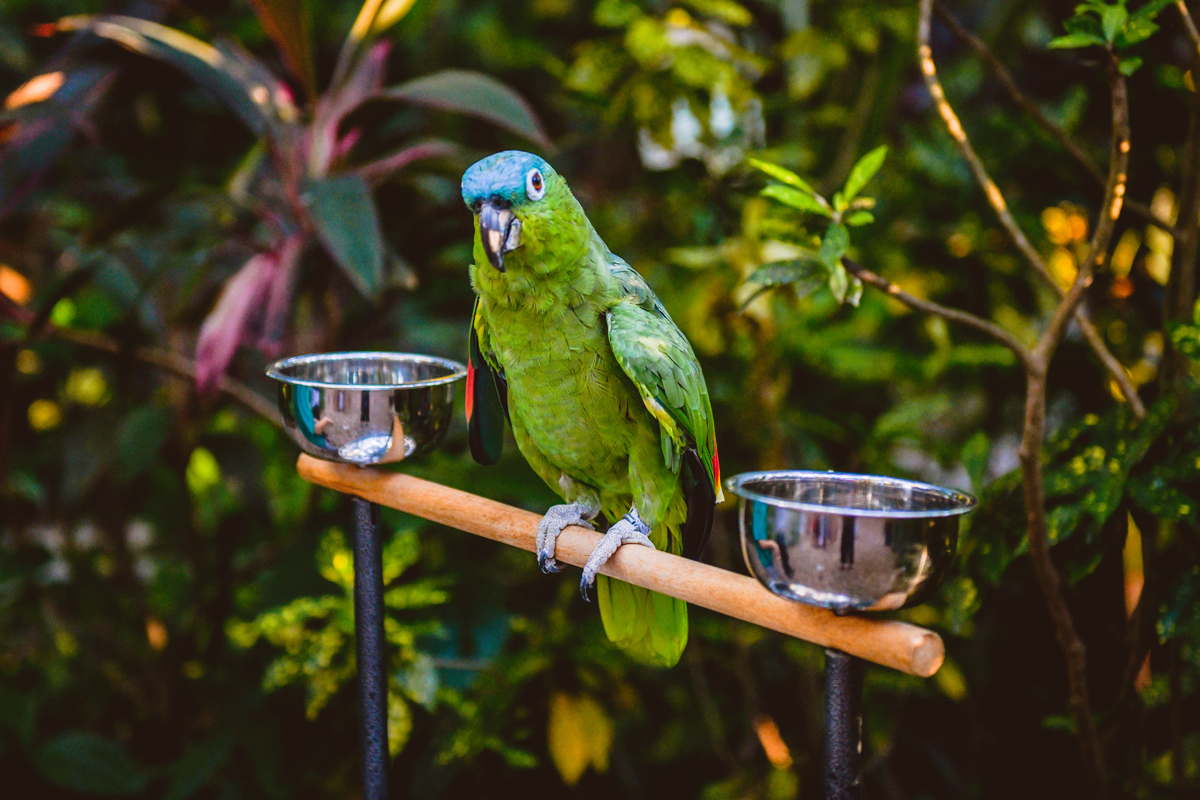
(630,529)
(557,518)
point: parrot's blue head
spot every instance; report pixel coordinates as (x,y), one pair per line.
(507,191)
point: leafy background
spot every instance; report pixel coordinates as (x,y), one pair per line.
(174,619)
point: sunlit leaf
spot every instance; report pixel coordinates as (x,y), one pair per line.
(863,171)
(781,174)
(1112,19)
(390,13)
(1128,66)
(579,735)
(839,283)
(724,10)
(399,721)
(1137,30)
(796,199)
(475,94)
(1073,40)
(858,218)
(347,221)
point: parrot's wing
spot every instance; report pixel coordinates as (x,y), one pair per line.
(653,352)
(487,395)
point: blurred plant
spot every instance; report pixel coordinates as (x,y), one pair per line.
(305,180)
(686,82)
(317,634)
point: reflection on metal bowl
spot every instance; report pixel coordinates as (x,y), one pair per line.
(366,408)
(847,542)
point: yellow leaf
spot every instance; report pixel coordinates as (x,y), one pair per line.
(579,734)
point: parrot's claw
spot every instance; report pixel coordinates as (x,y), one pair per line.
(552,524)
(630,529)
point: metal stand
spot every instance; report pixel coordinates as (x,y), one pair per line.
(371,649)
(843,726)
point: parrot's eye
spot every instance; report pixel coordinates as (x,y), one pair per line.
(535,186)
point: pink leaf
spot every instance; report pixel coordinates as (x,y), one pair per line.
(225,326)
(364,82)
(279,295)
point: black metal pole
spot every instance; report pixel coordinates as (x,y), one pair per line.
(372,649)
(843,726)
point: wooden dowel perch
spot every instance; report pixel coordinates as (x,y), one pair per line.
(891,643)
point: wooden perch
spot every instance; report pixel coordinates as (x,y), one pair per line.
(891,643)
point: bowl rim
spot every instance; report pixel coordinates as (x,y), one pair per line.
(737,485)
(457,370)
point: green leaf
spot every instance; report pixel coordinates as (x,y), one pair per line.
(856,292)
(85,762)
(287,23)
(194,769)
(1150,10)
(863,171)
(1135,31)
(780,174)
(1073,40)
(833,246)
(139,439)
(839,283)
(1128,66)
(796,199)
(1113,18)
(860,218)
(476,94)
(240,82)
(347,221)
(725,10)
(804,275)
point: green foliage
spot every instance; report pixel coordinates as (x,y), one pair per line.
(85,762)
(317,634)
(1111,25)
(144,529)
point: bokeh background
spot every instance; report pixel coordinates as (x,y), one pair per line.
(174,611)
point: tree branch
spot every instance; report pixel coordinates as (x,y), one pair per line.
(1189,25)
(1030,452)
(175,363)
(1000,207)
(929,307)
(1029,107)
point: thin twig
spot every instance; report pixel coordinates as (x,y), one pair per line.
(929,307)
(1000,207)
(175,363)
(1189,25)
(1029,107)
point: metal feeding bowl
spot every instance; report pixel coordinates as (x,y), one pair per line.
(366,408)
(847,542)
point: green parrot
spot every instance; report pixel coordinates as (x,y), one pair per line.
(603,392)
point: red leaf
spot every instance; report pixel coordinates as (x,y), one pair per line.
(225,327)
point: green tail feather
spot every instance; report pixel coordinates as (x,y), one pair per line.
(651,627)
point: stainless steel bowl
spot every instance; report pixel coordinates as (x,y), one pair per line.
(847,542)
(366,408)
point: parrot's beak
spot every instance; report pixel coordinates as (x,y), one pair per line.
(500,231)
